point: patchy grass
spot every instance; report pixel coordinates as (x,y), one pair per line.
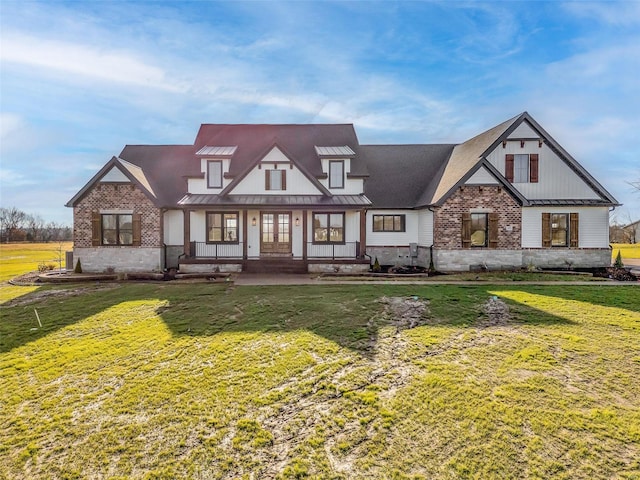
(626,249)
(489,277)
(210,381)
(518,277)
(19,258)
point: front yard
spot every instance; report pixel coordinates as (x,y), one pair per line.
(214,381)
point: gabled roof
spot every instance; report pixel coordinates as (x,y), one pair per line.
(301,166)
(400,174)
(165,167)
(464,158)
(570,161)
(132,172)
(396,176)
(298,141)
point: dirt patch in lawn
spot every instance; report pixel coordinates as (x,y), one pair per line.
(39,295)
(496,312)
(406,312)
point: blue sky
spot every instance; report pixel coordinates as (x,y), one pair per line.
(81,79)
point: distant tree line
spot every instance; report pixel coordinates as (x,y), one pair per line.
(18,226)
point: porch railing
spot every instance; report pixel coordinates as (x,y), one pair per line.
(333,250)
(216,250)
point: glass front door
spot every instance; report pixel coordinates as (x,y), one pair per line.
(275,234)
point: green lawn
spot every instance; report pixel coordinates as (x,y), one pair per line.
(19,258)
(627,251)
(213,381)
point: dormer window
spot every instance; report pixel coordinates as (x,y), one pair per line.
(521,168)
(214,174)
(275,179)
(336,174)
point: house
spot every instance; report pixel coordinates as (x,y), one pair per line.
(631,232)
(311,198)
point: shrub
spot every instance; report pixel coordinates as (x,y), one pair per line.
(78,268)
(618,263)
(376,266)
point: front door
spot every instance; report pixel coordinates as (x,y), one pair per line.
(275,234)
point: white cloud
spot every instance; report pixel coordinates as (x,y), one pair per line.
(118,67)
(9,124)
(11,178)
(626,13)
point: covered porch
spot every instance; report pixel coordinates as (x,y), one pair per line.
(297,233)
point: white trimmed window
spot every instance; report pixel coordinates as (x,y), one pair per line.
(336,174)
(521,168)
(275,179)
(214,174)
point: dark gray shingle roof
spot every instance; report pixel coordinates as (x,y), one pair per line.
(165,167)
(400,174)
(299,141)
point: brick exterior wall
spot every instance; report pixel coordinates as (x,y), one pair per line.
(447,229)
(110,196)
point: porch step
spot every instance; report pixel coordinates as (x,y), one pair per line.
(275,265)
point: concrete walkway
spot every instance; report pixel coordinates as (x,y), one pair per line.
(310,279)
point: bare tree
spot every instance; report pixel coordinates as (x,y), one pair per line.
(35,226)
(11,221)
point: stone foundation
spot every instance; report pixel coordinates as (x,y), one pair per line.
(120,259)
(398,256)
(567,258)
(468,259)
(210,267)
(338,267)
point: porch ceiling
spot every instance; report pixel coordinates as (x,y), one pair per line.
(343,201)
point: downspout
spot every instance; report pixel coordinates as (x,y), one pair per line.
(432,267)
(611,209)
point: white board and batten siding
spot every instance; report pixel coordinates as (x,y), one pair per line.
(173,222)
(555,178)
(593,225)
(425,227)
(524,130)
(254,182)
(482,177)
